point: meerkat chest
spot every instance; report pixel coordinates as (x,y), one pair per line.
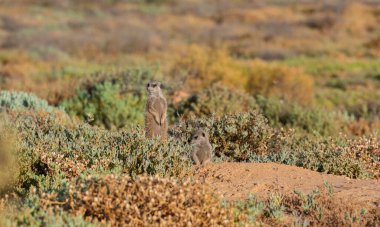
(157,102)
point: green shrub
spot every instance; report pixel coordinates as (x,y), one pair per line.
(216,100)
(318,208)
(248,211)
(51,151)
(359,103)
(20,100)
(31,213)
(246,137)
(132,81)
(308,119)
(112,100)
(234,137)
(106,106)
(339,155)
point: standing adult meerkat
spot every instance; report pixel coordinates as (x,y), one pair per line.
(202,150)
(156,123)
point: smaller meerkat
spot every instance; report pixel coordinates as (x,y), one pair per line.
(202,150)
(156,123)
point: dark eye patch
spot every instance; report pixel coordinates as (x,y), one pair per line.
(195,137)
(203,134)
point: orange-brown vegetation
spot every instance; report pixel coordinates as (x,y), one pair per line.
(145,201)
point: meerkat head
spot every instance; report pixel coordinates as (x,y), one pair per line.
(199,135)
(154,88)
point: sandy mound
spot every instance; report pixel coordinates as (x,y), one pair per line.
(237,180)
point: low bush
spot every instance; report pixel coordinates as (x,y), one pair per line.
(287,83)
(318,208)
(311,120)
(202,68)
(367,109)
(234,137)
(112,200)
(257,211)
(247,137)
(34,215)
(17,100)
(105,106)
(52,150)
(144,201)
(366,150)
(355,158)
(215,101)
(8,159)
(29,212)
(112,100)
(322,208)
(359,103)
(131,81)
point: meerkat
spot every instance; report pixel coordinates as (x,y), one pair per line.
(156,123)
(202,150)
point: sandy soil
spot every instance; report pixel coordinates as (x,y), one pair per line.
(237,180)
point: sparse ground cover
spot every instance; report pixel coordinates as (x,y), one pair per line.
(288,92)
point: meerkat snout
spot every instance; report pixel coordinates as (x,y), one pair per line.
(202,149)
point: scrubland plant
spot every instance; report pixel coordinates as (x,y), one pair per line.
(217,100)
(120,200)
(235,137)
(202,67)
(289,84)
(31,213)
(145,201)
(318,208)
(247,137)
(9,169)
(311,120)
(112,100)
(18,100)
(337,156)
(105,106)
(321,207)
(51,150)
(132,80)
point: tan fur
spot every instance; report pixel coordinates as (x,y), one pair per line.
(202,149)
(156,123)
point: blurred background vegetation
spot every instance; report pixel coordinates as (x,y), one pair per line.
(305,55)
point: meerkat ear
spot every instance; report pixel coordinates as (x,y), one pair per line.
(161,85)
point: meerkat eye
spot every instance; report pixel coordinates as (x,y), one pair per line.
(154,85)
(203,134)
(195,137)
